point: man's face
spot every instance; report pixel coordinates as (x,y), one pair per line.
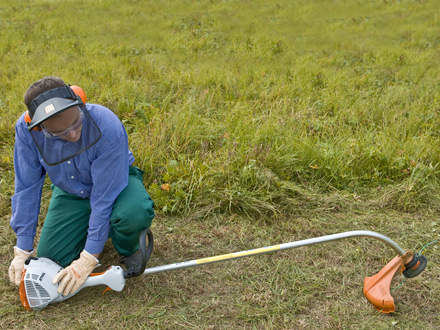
(66,125)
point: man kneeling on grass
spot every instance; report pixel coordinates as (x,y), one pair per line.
(96,191)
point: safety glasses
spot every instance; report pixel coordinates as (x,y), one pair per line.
(59,135)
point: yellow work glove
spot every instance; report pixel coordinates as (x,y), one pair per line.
(17,265)
(73,276)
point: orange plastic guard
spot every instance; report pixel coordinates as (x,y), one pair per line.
(377,287)
(22,292)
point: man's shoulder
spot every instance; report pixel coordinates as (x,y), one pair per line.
(20,121)
(107,121)
(99,110)
(102,115)
(20,125)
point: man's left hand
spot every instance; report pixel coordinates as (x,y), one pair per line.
(73,276)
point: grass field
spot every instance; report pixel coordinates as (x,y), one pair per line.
(271,121)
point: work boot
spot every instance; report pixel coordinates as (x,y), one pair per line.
(135,264)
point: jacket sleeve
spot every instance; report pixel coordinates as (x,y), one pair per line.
(29,179)
(109,173)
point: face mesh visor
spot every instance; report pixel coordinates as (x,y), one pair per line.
(56,149)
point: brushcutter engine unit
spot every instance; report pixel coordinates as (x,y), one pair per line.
(37,290)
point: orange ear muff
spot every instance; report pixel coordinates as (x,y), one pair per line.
(80,92)
(27,120)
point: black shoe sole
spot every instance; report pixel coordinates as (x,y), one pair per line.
(145,255)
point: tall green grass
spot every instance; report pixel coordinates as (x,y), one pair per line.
(246,106)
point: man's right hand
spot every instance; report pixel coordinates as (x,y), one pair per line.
(17,265)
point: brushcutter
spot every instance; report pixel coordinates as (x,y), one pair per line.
(37,290)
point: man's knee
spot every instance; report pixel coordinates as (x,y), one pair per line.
(142,214)
(133,216)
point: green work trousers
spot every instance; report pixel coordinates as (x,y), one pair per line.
(64,232)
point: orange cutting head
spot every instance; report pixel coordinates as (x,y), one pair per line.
(377,287)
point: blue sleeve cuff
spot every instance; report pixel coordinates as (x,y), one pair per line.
(25,242)
(94,247)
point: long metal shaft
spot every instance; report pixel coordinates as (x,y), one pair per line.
(274,248)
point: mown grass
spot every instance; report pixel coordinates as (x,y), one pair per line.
(269,120)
